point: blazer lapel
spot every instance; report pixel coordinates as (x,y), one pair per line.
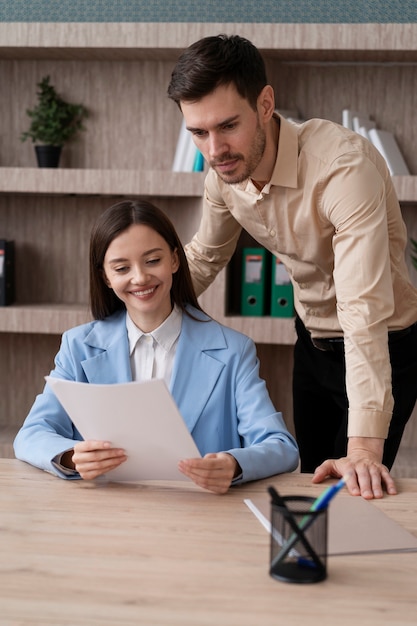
(112,365)
(196,368)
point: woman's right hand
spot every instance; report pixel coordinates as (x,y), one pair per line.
(94,458)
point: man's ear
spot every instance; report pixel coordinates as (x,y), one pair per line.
(266,103)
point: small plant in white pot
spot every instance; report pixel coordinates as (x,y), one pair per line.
(54,122)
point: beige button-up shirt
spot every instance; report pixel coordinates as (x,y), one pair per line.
(331,215)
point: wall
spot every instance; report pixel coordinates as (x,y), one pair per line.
(268,11)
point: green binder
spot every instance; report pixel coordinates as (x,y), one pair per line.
(254,270)
(282,293)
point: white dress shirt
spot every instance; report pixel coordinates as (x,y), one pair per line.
(152,354)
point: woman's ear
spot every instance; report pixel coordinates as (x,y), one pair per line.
(105,279)
(175,261)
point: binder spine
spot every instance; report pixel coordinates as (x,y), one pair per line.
(254,272)
(282,293)
(7,291)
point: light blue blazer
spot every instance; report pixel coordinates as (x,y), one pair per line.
(215,383)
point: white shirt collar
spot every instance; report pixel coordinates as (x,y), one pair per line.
(165,335)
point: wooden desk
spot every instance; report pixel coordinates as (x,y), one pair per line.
(78,553)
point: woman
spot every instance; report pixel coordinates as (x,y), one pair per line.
(148,324)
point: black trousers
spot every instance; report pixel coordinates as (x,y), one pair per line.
(321,404)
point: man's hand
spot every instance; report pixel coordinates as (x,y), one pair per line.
(362,467)
(94,458)
(214,472)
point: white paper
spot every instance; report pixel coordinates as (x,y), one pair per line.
(142,418)
(356,526)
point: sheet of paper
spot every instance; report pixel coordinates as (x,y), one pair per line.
(355,526)
(142,418)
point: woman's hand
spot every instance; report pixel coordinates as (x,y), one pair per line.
(214,472)
(94,458)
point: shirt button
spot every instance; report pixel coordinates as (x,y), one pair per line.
(272,233)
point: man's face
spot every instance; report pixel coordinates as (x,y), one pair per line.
(227,132)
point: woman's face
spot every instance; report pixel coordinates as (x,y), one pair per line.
(138,266)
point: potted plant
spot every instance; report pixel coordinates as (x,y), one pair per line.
(54,122)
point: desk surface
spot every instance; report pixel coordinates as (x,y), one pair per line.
(80,553)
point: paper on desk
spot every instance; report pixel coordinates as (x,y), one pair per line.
(355,526)
(141,417)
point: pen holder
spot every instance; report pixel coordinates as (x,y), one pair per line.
(298,541)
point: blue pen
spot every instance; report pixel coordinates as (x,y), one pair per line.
(320,503)
(324,499)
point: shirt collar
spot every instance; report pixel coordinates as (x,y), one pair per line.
(165,335)
(285,169)
(286,165)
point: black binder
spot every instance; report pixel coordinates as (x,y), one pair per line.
(7,294)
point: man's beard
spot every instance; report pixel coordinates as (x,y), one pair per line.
(251,162)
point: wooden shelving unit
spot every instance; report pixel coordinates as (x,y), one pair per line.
(121,73)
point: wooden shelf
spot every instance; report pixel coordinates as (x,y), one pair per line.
(46,319)
(80,182)
(54,319)
(62,181)
(268,330)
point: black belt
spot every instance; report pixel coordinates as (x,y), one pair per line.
(333,344)
(337,344)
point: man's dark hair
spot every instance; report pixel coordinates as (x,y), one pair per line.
(214,61)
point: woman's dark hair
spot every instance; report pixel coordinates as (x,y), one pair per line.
(214,61)
(111,223)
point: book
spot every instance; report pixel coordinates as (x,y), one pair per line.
(387,145)
(190,155)
(358,121)
(7,288)
(181,149)
(362,125)
(362,130)
(187,157)
(348,115)
(198,162)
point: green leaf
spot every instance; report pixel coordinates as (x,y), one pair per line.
(53,121)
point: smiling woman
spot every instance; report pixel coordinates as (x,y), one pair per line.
(138,266)
(148,324)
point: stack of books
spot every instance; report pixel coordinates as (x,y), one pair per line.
(187,157)
(383,140)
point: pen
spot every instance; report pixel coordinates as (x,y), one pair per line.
(320,503)
(279,501)
(323,500)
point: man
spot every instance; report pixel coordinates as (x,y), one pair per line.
(321,198)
